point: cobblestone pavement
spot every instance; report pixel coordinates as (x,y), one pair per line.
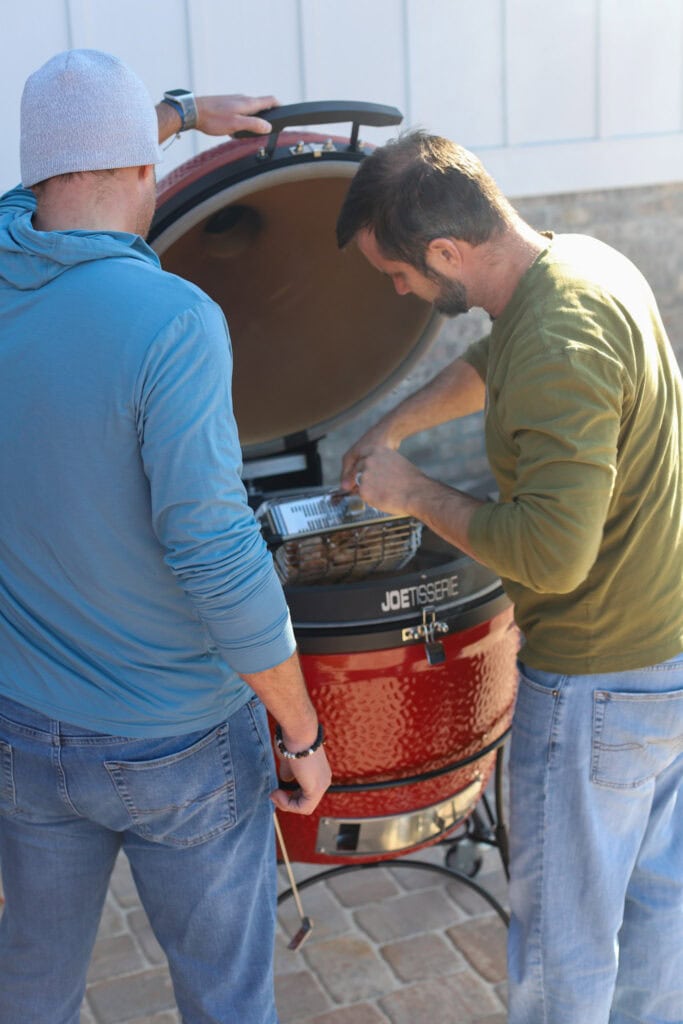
(390,945)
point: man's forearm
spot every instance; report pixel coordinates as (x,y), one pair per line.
(283,691)
(445,510)
(218,115)
(456,391)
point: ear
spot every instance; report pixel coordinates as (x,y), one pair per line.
(145,171)
(444,255)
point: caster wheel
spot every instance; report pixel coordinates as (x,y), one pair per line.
(465,856)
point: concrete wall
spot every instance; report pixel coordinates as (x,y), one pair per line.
(646,224)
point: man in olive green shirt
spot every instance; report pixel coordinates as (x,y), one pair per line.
(584,427)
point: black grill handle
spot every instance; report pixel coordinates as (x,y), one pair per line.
(325,112)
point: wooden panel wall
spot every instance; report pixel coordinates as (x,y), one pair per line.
(554,96)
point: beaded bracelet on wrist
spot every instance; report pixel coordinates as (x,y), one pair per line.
(279,742)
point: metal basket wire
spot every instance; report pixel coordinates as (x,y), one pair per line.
(338,538)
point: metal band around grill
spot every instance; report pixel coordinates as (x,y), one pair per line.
(367,837)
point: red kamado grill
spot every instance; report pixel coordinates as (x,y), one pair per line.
(407,645)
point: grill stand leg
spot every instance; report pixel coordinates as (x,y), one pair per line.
(463,850)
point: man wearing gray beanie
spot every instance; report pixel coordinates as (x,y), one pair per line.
(143,631)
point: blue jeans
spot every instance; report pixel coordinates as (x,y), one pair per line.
(596,859)
(193,816)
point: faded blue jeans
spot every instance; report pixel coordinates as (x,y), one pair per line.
(193,816)
(596,823)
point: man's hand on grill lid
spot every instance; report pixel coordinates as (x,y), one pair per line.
(219,115)
(225,115)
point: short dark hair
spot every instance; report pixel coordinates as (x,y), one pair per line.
(417,188)
(67,176)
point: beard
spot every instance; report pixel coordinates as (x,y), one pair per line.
(452,298)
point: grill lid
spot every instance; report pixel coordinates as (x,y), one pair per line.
(318,334)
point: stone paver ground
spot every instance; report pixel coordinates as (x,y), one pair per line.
(390,945)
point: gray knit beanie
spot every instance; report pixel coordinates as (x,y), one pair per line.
(85,111)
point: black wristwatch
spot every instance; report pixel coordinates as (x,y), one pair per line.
(184,104)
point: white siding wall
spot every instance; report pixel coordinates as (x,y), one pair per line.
(554,95)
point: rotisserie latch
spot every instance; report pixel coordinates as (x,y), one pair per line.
(428,630)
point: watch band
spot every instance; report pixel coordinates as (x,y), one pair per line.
(184,104)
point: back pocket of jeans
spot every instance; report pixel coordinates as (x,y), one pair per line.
(635,736)
(182,799)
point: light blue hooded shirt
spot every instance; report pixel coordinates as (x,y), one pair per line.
(134,581)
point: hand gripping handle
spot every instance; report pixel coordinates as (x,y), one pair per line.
(325,112)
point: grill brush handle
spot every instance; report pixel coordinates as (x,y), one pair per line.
(325,112)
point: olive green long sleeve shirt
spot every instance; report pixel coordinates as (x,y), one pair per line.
(584,436)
